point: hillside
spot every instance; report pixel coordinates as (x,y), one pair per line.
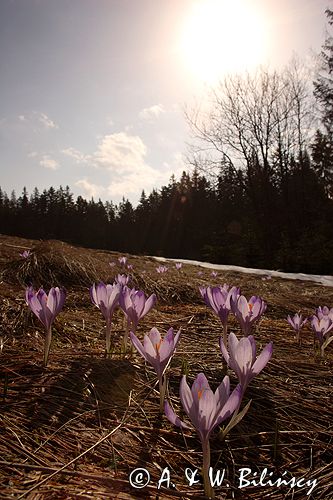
(77,428)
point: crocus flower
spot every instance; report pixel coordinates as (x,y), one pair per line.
(178,266)
(241,357)
(130,267)
(297,323)
(214,274)
(218,298)
(106,298)
(161,269)
(158,352)
(121,279)
(46,307)
(321,327)
(122,261)
(206,411)
(135,306)
(324,311)
(25,254)
(247,312)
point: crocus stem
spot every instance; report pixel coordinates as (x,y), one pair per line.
(127,328)
(162,383)
(225,335)
(47,345)
(209,491)
(134,331)
(108,339)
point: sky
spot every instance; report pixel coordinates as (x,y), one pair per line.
(92,92)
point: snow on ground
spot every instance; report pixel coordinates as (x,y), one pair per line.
(323,280)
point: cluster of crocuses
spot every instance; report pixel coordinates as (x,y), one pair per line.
(321,323)
(133,302)
(105,296)
(207,409)
(162,269)
(46,307)
(225,299)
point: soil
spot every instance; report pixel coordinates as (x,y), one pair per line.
(80,426)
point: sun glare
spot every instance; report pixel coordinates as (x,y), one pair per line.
(222,36)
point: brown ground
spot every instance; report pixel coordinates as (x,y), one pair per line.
(79,427)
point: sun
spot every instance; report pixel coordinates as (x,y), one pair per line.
(222,36)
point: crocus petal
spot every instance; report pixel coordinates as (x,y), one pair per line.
(224,350)
(254,347)
(149,346)
(222,392)
(167,346)
(243,307)
(242,359)
(206,413)
(185,394)
(155,336)
(231,405)
(232,341)
(136,342)
(138,300)
(52,300)
(150,302)
(262,359)
(172,417)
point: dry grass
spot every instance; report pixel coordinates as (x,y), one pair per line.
(78,428)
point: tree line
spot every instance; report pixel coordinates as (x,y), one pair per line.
(260,193)
(287,227)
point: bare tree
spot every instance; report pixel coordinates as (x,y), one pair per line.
(265,115)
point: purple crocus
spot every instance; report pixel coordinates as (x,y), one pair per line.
(321,327)
(297,323)
(247,312)
(121,279)
(158,352)
(241,357)
(324,311)
(206,411)
(214,274)
(162,269)
(46,307)
(106,298)
(122,261)
(178,266)
(135,306)
(25,254)
(219,299)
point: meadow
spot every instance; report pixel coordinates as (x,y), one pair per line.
(78,427)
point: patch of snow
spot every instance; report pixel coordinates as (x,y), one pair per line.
(325,280)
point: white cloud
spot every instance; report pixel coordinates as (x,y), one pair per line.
(90,190)
(49,163)
(76,155)
(152,112)
(120,153)
(123,157)
(46,121)
(22,118)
